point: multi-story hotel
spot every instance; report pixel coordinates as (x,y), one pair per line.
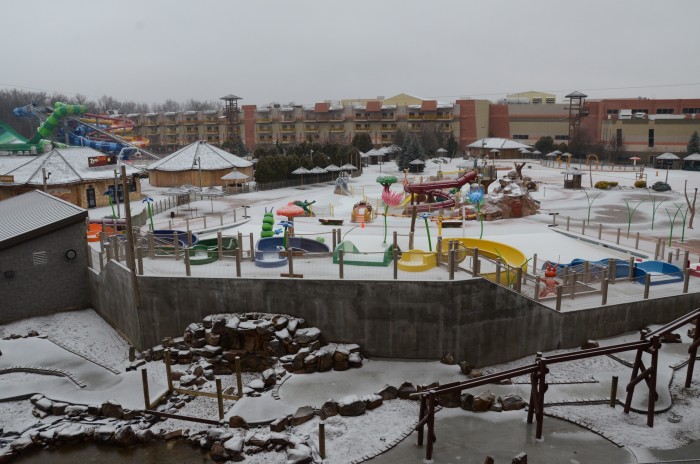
(638,126)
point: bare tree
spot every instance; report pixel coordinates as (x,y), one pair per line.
(691,206)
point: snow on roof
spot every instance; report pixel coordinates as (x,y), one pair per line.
(150,115)
(667,156)
(287,108)
(210,111)
(498,143)
(170,113)
(693,157)
(190,112)
(211,157)
(133,115)
(65,166)
(32,211)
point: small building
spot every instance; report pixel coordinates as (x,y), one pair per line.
(667,161)
(78,175)
(199,164)
(504,148)
(572,178)
(43,256)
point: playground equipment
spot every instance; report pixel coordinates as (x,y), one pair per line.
(114,124)
(362,212)
(270,252)
(168,236)
(353,256)
(417,260)
(268,224)
(434,190)
(207,251)
(93,232)
(490,249)
(663,273)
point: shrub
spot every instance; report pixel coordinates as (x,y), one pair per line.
(641,184)
(613,184)
(602,185)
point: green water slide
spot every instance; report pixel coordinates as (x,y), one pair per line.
(12,141)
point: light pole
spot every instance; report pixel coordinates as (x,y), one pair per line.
(120,156)
(46,176)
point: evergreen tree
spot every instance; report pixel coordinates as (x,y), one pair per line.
(362,142)
(240,148)
(412,150)
(694,143)
(545,144)
(451,145)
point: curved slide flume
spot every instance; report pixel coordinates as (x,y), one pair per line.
(60,111)
(436,189)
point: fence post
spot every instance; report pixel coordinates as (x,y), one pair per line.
(451,260)
(656,250)
(686,279)
(146,395)
(139,256)
(630,274)
(518,279)
(240,245)
(290,260)
(636,242)
(586,272)
(670,257)
(568,222)
(252,248)
(239,255)
(204,218)
(498,271)
(220,398)
(686,256)
(604,291)
(395,253)
(188,269)
(600,231)
(334,239)
(612,266)
(239,380)
(101,261)
(339,236)
(221,219)
(647,284)
(613,392)
(583,227)
(151,245)
(189,238)
(220,245)
(176,245)
(537,289)
(234,216)
(396,240)
(663,248)
(573,285)
(475,263)
(322,439)
(438,251)
(410,240)
(534,264)
(187,224)
(341,254)
(560,289)
(618,236)
(678,253)
(168,370)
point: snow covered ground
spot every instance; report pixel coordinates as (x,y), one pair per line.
(87,335)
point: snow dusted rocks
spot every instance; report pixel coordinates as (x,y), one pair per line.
(260,340)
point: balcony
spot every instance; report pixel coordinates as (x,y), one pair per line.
(264,130)
(152,123)
(362,128)
(337,118)
(211,121)
(262,120)
(310,117)
(211,130)
(288,129)
(388,117)
(191,131)
(337,128)
(415,117)
(170,122)
(360,117)
(191,122)
(375,117)
(171,132)
(287,118)
(445,117)
(430,117)
(311,128)
(389,128)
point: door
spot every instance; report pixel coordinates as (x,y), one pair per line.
(91,202)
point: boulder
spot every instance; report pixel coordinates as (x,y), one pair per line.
(104,433)
(372,401)
(670,338)
(467,402)
(125,436)
(511,402)
(589,344)
(306,336)
(448,359)
(279,425)
(237,422)
(58,409)
(483,401)
(44,404)
(329,409)
(351,406)
(218,452)
(388,393)
(111,409)
(405,390)
(300,455)
(520,458)
(303,414)
(465,368)
(93,410)
(355,360)
(234,448)
(449,399)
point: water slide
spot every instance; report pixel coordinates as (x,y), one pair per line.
(11,141)
(267,250)
(436,189)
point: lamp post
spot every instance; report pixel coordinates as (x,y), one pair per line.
(120,156)
(46,176)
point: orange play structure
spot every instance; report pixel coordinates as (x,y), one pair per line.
(362,212)
(93,233)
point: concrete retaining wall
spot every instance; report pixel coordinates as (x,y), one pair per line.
(475,320)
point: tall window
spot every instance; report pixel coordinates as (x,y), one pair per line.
(664,111)
(651,137)
(618,137)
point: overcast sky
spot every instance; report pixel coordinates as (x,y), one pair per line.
(313,50)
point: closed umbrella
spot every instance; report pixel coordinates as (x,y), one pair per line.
(300,172)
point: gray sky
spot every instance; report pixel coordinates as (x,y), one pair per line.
(313,50)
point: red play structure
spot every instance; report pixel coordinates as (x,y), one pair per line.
(435,190)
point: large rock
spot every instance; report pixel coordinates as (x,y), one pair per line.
(372,401)
(303,414)
(520,458)
(306,336)
(237,422)
(104,433)
(388,393)
(351,406)
(467,402)
(234,448)
(261,440)
(125,436)
(301,454)
(269,378)
(329,409)
(483,401)
(449,399)
(279,425)
(405,390)
(511,402)
(112,409)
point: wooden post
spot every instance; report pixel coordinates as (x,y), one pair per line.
(221,219)
(636,242)
(498,271)
(341,255)
(339,235)
(101,261)
(421,413)
(252,248)
(239,380)
(604,291)
(656,250)
(612,266)
(146,395)
(583,227)
(395,255)
(176,246)
(613,392)
(670,257)
(559,292)
(239,258)
(647,283)
(396,240)
(220,245)
(188,269)
(537,289)
(438,251)
(678,253)
(410,240)
(322,439)
(240,244)
(431,427)
(204,218)
(140,260)
(686,279)
(452,259)
(475,263)
(290,260)
(334,240)
(151,246)
(618,236)
(686,256)
(573,285)
(168,370)
(534,264)
(663,248)
(630,274)
(220,398)
(586,272)
(187,224)
(568,222)
(234,216)
(600,231)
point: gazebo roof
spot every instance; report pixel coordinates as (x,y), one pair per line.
(211,157)
(693,157)
(667,156)
(498,144)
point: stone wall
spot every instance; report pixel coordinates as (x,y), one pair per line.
(475,320)
(30,287)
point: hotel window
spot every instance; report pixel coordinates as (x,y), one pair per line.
(520,137)
(561,137)
(613,111)
(550,100)
(691,110)
(651,137)
(640,111)
(664,111)
(618,137)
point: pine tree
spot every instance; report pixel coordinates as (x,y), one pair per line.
(362,142)
(412,150)
(694,143)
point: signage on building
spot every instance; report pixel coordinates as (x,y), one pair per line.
(102,160)
(7,179)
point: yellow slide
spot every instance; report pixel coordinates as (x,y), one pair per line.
(494,250)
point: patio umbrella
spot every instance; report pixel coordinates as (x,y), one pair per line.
(556,152)
(348,167)
(525,151)
(212,192)
(550,155)
(537,153)
(234,175)
(301,171)
(635,159)
(175,192)
(567,155)
(318,170)
(332,168)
